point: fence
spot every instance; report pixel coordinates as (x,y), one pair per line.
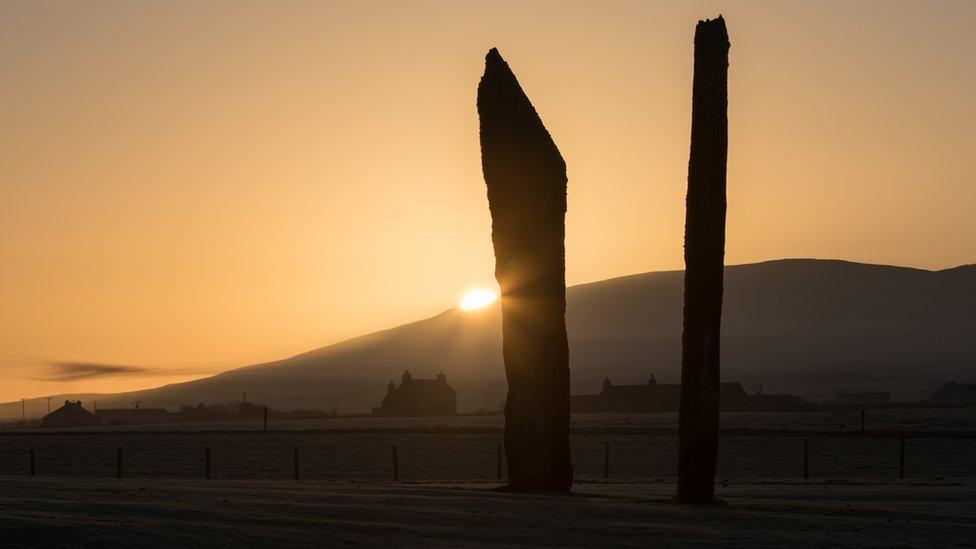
(447,455)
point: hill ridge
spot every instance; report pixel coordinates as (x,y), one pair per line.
(807,326)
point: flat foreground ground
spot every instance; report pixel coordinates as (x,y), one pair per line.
(101,512)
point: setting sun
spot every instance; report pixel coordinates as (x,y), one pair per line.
(477,299)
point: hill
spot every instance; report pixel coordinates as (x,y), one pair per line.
(806,327)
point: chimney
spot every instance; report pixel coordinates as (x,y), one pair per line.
(441,377)
(606,383)
(390,388)
(406,376)
(652,381)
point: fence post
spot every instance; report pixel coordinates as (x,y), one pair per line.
(206,453)
(33,471)
(396,465)
(806,459)
(118,463)
(498,461)
(296,462)
(901,460)
(606,460)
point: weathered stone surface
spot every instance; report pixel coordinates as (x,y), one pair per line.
(704,257)
(526,179)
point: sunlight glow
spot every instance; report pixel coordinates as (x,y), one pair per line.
(477,299)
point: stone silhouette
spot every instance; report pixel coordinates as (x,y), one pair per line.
(704,257)
(526,179)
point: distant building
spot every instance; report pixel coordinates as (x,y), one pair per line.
(134,416)
(775,403)
(863,398)
(660,397)
(650,397)
(72,414)
(418,397)
(953,392)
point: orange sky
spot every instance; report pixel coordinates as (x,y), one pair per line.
(198,186)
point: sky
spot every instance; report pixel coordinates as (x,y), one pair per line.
(189,187)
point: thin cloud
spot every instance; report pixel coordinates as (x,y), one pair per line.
(77,371)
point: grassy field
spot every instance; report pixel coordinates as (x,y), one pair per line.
(911,419)
(469,456)
(182,513)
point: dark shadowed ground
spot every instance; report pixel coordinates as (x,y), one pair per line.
(454,456)
(99,512)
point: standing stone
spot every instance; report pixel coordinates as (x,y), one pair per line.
(704,258)
(526,178)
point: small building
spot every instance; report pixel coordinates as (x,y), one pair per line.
(134,416)
(649,397)
(774,403)
(955,393)
(661,397)
(418,397)
(863,398)
(72,414)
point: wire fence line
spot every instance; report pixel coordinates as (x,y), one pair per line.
(439,455)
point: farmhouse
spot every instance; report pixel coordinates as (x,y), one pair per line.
(953,392)
(863,398)
(418,397)
(134,416)
(72,414)
(659,397)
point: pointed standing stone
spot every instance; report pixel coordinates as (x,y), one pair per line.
(526,179)
(704,258)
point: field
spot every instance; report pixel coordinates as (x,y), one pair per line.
(919,419)
(640,448)
(448,471)
(100,513)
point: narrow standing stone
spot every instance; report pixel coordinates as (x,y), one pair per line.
(526,179)
(704,258)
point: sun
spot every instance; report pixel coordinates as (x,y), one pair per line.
(477,299)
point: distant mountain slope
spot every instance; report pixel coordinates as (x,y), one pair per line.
(808,327)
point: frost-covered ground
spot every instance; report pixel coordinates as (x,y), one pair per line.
(179,513)
(470,457)
(643,447)
(913,419)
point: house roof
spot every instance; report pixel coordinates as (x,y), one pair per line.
(70,409)
(971,387)
(661,389)
(424,386)
(130,411)
(640,389)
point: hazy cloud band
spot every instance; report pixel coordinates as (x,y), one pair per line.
(77,371)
